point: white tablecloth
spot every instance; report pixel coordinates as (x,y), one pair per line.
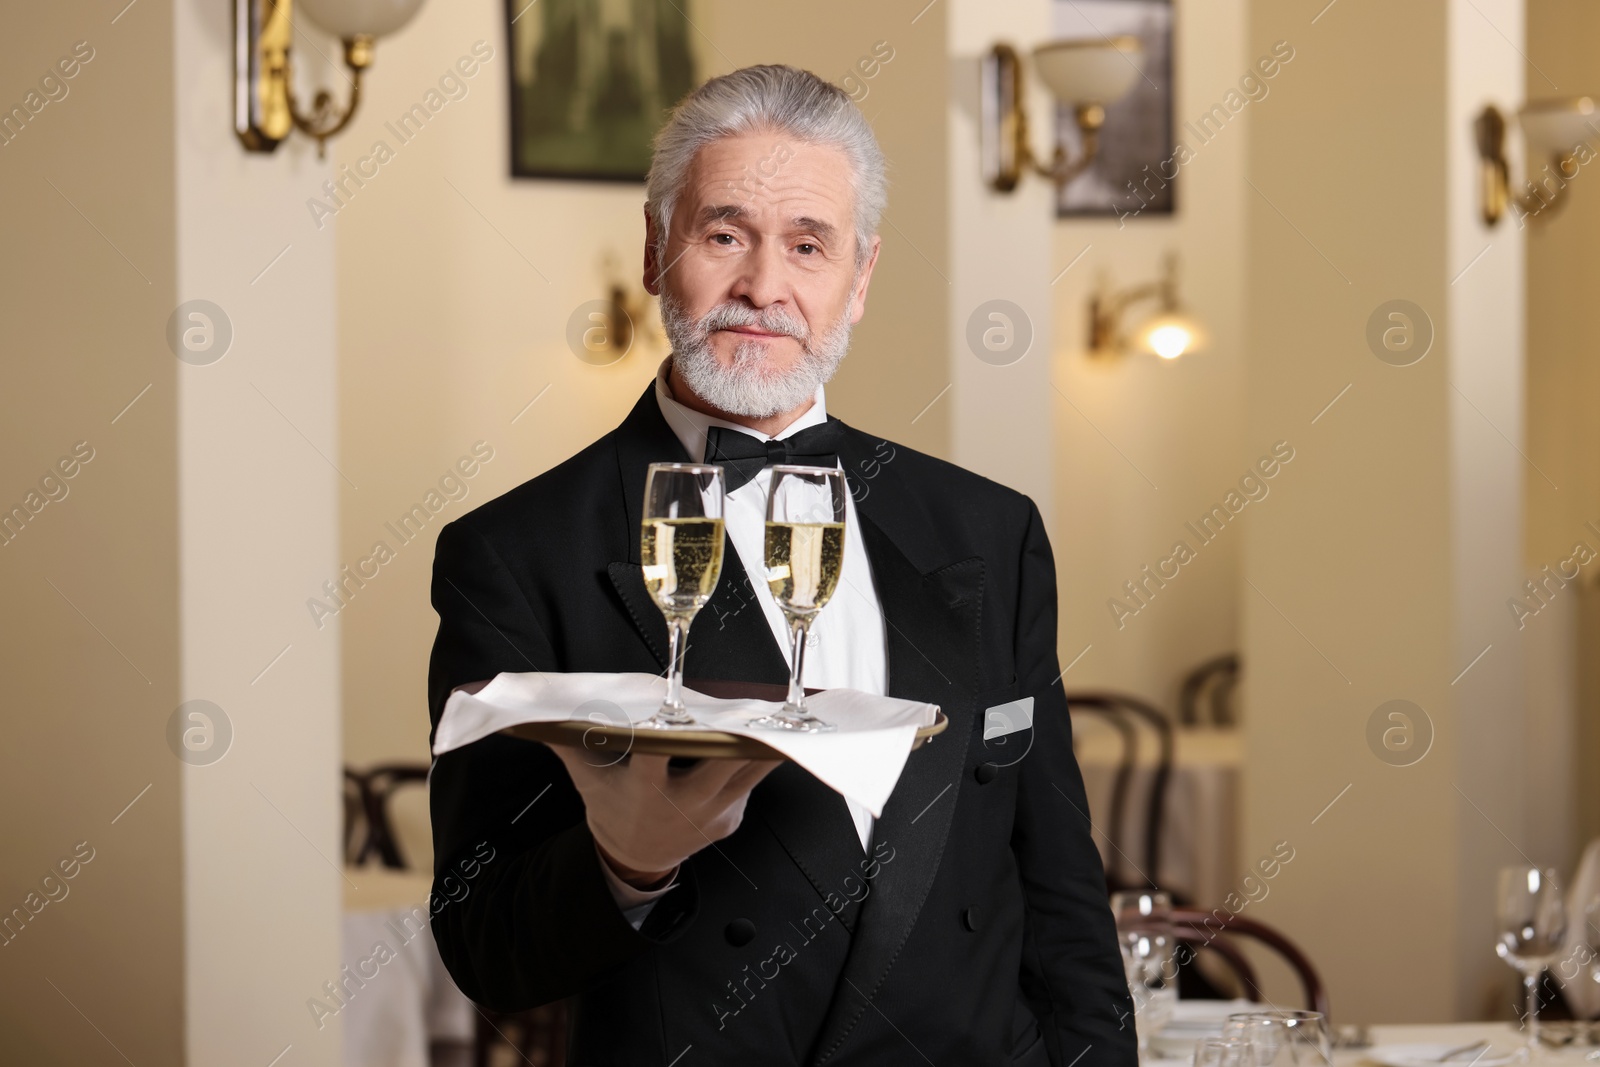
(410,1000)
(1199,850)
(1504,1036)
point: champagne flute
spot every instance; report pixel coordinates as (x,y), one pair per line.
(804,555)
(681,549)
(1531,913)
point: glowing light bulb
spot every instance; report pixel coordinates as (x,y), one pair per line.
(1169,341)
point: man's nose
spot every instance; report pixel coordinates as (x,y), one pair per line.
(762,279)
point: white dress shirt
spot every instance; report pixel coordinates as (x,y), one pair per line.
(847,646)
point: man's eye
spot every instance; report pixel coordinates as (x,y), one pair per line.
(813,247)
(719,236)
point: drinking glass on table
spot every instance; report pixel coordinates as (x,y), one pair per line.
(1144,930)
(1282,1038)
(680,547)
(804,555)
(1222,1052)
(1531,914)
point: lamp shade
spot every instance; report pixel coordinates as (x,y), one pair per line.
(360,18)
(1089,70)
(1557,126)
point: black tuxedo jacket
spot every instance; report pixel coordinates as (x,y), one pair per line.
(976,932)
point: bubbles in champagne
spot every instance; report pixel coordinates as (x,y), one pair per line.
(803,563)
(682,561)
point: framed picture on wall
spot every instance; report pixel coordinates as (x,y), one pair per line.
(591,83)
(1138,132)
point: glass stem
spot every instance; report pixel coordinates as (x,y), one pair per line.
(678,628)
(1531,984)
(797,692)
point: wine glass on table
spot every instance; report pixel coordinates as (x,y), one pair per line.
(1144,930)
(804,555)
(1283,1038)
(680,547)
(1531,913)
(1222,1052)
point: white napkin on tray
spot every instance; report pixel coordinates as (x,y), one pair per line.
(861,758)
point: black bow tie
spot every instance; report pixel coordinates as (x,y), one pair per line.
(742,457)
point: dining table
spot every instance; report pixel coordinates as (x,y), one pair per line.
(1503,1037)
(409,1002)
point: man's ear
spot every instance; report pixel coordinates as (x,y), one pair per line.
(858,298)
(652,266)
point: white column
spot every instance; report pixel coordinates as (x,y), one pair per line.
(1000,247)
(259,475)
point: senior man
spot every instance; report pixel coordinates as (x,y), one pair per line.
(742,912)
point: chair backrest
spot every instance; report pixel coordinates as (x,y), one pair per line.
(401,835)
(1128,709)
(1206,929)
(1212,682)
(357,828)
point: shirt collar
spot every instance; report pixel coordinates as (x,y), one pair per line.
(691,425)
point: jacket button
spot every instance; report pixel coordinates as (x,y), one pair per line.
(986,773)
(969,918)
(740,932)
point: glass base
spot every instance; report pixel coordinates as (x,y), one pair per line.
(803,723)
(667,718)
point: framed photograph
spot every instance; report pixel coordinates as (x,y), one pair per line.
(1138,131)
(592,81)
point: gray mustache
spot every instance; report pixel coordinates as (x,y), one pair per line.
(772,320)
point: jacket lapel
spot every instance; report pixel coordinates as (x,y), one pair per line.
(931,608)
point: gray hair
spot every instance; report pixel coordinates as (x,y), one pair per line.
(781,99)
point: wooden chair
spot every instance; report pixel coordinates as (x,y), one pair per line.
(1214,682)
(357,827)
(383,782)
(1123,710)
(1209,931)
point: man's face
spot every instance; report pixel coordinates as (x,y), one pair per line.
(759,284)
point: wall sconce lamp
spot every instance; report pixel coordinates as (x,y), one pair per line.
(1084,74)
(264,106)
(1169,333)
(1558,130)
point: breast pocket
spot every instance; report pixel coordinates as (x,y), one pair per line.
(1003,722)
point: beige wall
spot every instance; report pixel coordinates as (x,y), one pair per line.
(456,283)
(92,671)
(1378,576)
(1166,440)
(1563,434)
(171,569)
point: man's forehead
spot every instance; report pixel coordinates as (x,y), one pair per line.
(768,179)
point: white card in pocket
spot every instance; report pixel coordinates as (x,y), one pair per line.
(1003,719)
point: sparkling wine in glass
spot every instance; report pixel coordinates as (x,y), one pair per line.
(680,546)
(1531,915)
(804,555)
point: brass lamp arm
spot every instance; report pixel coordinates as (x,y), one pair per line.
(325,121)
(1061,169)
(1105,313)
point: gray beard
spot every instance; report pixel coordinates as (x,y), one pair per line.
(747,387)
